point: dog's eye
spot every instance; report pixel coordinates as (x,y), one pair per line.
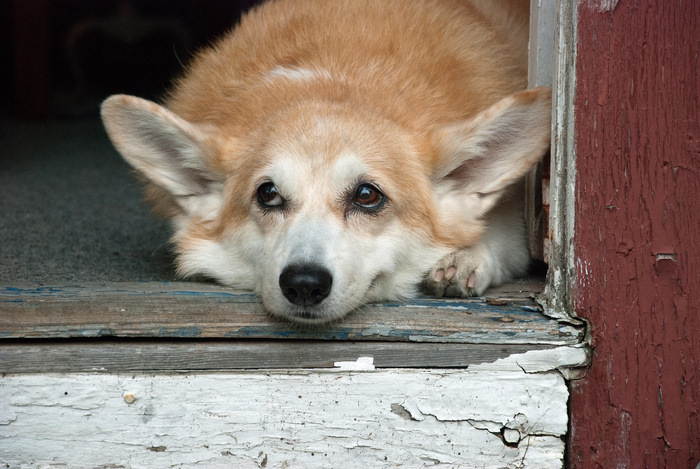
(369,197)
(268,196)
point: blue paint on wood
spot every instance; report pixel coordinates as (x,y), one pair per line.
(17,294)
(180,332)
(41,291)
(249,297)
(184,308)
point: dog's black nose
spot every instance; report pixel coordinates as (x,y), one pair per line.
(305,284)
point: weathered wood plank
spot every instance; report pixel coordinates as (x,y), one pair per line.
(540,70)
(499,416)
(106,355)
(558,247)
(189,310)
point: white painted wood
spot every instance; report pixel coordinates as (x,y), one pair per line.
(537,361)
(489,416)
(559,250)
(540,70)
(541,48)
(361,364)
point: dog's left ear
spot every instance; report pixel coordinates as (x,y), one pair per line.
(480,157)
(170,152)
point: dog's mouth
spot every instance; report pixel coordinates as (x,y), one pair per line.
(307,315)
(317,315)
(304,316)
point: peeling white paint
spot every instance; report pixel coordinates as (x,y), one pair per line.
(493,427)
(493,337)
(362,364)
(604,6)
(480,418)
(511,436)
(538,361)
(7,416)
(381,330)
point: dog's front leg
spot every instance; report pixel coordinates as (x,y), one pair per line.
(499,256)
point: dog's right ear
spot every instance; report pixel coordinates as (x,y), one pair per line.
(483,155)
(168,150)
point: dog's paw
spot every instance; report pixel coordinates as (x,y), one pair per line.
(459,274)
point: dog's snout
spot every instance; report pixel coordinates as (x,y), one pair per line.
(305,284)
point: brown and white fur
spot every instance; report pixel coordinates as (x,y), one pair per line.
(329,153)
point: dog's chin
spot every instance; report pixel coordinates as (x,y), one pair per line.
(309,318)
(321,315)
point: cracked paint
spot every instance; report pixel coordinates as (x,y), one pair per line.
(301,418)
(637,229)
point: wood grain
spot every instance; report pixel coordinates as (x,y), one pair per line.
(637,234)
(199,310)
(110,356)
(540,66)
(558,248)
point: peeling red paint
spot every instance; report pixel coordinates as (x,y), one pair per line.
(637,232)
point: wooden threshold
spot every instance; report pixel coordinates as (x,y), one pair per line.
(200,327)
(202,310)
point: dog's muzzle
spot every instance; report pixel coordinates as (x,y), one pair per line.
(305,284)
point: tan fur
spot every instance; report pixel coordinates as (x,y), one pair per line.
(466,64)
(415,89)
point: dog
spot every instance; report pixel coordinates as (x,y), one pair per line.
(330,153)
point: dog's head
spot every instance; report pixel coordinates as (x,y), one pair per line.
(321,208)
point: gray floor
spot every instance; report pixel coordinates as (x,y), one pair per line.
(71,211)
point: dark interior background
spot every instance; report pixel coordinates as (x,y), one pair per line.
(70,209)
(60,57)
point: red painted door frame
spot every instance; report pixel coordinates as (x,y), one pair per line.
(637,234)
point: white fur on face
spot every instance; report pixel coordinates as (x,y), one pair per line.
(231,260)
(347,169)
(314,230)
(370,256)
(364,269)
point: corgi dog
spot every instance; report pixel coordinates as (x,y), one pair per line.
(330,153)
